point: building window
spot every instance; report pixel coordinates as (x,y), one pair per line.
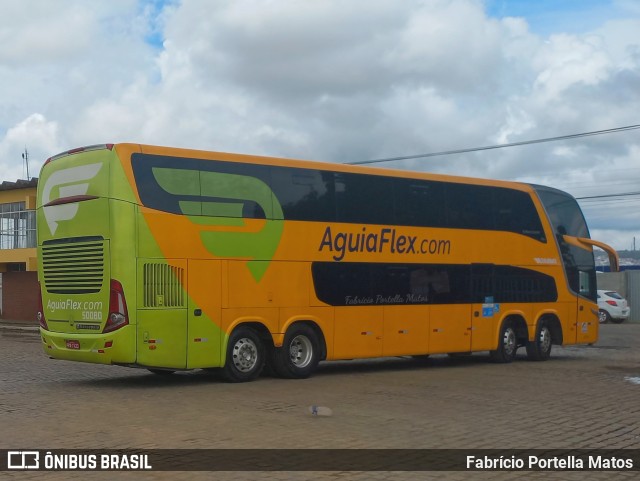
(17,226)
(16,267)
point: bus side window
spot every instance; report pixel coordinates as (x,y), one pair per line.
(364,199)
(419,202)
(469,206)
(515,212)
(253,210)
(305,194)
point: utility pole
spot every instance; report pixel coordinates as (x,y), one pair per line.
(25,158)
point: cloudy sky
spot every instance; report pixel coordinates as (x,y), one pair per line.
(340,81)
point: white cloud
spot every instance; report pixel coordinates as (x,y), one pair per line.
(49,34)
(566,60)
(35,130)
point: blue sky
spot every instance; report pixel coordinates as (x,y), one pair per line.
(153,11)
(546,17)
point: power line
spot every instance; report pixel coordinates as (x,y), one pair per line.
(498,146)
(607,196)
(598,203)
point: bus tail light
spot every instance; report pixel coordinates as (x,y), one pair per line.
(80,150)
(118,315)
(40,314)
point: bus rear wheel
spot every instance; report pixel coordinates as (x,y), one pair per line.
(245,356)
(540,348)
(507,344)
(299,355)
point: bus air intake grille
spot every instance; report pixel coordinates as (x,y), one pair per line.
(163,285)
(74,268)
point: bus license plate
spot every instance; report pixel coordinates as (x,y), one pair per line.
(72,344)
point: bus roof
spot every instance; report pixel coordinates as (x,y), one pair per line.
(287,162)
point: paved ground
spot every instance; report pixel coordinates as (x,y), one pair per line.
(584,397)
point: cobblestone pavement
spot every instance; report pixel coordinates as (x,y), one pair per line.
(584,397)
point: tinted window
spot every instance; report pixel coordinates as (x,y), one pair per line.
(613,294)
(515,284)
(469,206)
(566,219)
(348,283)
(492,208)
(419,202)
(202,187)
(563,211)
(515,212)
(364,199)
(234,189)
(304,194)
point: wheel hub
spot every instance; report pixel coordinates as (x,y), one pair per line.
(509,341)
(300,351)
(545,339)
(245,355)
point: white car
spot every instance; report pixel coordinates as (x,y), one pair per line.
(613,307)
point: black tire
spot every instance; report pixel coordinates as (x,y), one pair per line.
(604,316)
(540,348)
(245,356)
(299,355)
(161,372)
(507,344)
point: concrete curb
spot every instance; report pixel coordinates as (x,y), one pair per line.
(18,326)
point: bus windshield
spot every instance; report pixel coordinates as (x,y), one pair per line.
(564,213)
(566,218)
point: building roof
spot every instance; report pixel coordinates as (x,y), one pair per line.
(19,184)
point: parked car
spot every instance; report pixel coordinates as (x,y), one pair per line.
(613,307)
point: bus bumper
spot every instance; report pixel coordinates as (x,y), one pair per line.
(111,348)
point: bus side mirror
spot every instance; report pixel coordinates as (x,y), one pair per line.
(584,243)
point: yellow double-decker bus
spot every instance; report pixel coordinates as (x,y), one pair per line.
(173,259)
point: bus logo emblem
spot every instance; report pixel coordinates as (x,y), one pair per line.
(70,182)
(221,196)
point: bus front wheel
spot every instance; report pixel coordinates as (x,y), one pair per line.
(299,355)
(507,344)
(245,356)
